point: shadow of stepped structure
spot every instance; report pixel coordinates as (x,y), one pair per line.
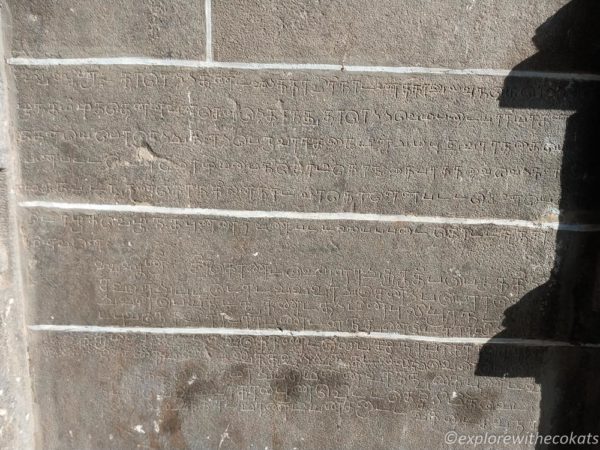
(565,308)
(296,224)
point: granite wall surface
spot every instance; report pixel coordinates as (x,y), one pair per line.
(299,224)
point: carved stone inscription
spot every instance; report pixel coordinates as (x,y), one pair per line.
(295,141)
(188,278)
(152,270)
(257,392)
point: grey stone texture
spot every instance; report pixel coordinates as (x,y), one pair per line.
(243,392)
(459,34)
(186,329)
(8,413)
(85,28)
(15,401)
(178,271)
(296,141)
(16,418)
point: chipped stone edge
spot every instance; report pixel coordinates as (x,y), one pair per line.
(16,405)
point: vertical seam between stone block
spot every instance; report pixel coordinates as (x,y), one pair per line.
(208,32)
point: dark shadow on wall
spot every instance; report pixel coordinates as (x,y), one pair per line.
(566,308)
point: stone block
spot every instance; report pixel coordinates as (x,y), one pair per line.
(107,28)
(324,141)
(494,34)
(185,271)
(234,392)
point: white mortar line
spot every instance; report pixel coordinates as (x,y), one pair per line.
(208,31)
(296,215)
(125,60)
(204,331)
(209,63)
(276,66)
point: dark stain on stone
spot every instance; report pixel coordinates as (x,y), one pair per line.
(238,374)
(474,407)
(285,385)
(332,378)
(191,383)
(276,441)
(170,425)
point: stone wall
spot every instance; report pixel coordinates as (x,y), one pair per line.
(16,422)
(300,223)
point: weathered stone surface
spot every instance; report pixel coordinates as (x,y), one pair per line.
(105,28)
(151,270)
(15,401)
(440,33)
(8,413)
(272,392)
(302,141)
(300,331)
(16,424)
